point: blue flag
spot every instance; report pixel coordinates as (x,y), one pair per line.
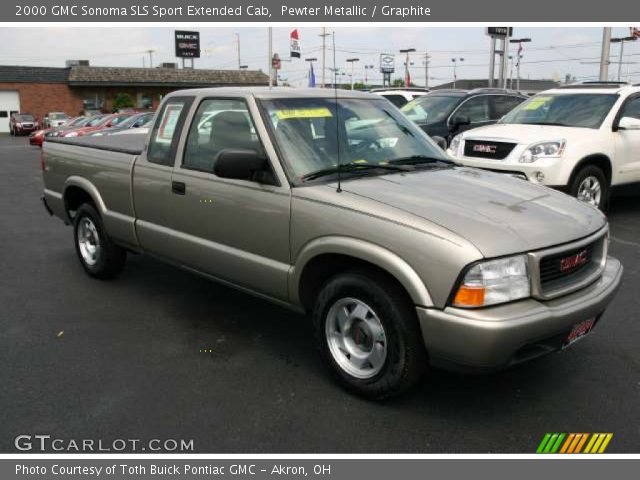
(312,77)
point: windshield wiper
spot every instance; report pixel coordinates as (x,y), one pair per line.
(417,159)
(352,167)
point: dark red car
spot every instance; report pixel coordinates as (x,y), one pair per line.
(22,123)
(38,136)
(97,123)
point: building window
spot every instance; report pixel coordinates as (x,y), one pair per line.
(145,101)
(93,100)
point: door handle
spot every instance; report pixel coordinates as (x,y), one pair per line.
(179,188)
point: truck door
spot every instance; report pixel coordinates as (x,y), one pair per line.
(628,143)
(234,230)
(152,193)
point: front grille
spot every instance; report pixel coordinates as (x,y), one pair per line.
(565,267)
(487,149)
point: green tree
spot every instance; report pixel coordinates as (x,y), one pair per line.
(122,100)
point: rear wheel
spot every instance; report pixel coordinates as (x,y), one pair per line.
(590,185)
(368,334)
(99,256)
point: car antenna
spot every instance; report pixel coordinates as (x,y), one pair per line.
(335,97)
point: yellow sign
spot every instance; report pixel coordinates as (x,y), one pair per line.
(536,102)
(303,113)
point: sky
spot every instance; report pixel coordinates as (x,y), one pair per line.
(552,53)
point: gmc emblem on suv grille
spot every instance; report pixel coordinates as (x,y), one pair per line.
(574,261)
(484,148)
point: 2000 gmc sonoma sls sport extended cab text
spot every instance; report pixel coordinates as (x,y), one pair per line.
(339,206)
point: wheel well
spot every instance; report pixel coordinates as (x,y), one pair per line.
(74,197)
(598,160)
(319,269)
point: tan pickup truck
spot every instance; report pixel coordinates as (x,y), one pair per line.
(340,207)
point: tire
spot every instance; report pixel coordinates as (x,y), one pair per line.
(590,185)
(99,256)
(400,358)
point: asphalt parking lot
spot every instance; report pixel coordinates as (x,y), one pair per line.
(125,359)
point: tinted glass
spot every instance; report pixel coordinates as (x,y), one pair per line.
(430,109)
(397,100)
(476,109)
(166,131)
(503,104)
(586,110)
(24,118)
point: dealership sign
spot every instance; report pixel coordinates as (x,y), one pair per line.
(500,32)
(187,44)
(387,63)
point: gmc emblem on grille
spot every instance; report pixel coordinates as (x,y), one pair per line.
(574,261)
(484,148)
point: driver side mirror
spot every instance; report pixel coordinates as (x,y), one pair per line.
(629,123)
(458,121)
(243,164)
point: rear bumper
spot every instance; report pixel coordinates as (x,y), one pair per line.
(497,337)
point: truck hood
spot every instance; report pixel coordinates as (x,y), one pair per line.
(497,213)
(527,134)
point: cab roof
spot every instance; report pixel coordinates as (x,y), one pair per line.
(275,92)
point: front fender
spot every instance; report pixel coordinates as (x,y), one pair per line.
(362,250)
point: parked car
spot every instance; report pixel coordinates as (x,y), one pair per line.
(399,96)
(582,139)
(143,130)
(55,119)
(444,113)
(38,136)
(97,123)
(22,123)
(136,120)
(400,256)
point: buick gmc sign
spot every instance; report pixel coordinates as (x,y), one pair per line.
(187,44)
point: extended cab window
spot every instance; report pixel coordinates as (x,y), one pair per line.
(166,131)
(219,124)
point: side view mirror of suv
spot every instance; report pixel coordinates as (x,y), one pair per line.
(457,122)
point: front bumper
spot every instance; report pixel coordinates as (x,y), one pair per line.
(497,337)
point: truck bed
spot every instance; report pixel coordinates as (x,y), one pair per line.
(131,144)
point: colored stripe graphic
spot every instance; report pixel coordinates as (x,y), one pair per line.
(574,443)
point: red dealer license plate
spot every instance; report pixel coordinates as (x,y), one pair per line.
(579,331)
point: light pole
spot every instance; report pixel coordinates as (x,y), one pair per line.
(366,76)
(352,61)
(604,55)
(455,74)
(621,41)
(519,41)
(407,77)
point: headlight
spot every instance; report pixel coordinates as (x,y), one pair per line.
(494,281)
(72,134)
(454,146)
(552,149)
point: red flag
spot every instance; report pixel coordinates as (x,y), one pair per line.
(635,32)
(295,44)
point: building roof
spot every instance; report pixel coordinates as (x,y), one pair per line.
(119,76)
(20,74)
(526,85)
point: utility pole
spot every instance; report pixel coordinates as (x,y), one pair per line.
(492,61)
(604,57)
(324,35)
(352,61)
(504,60)
(150,58)
(270,35)
(621,41)
(519,41)
(238,46)
(455,74)
(426,70)
(407,76)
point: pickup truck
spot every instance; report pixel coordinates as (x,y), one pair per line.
(335,204)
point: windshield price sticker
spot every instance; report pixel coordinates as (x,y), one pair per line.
(536,103)
(304,113)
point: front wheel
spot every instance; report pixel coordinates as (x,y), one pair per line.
(368,334)
(99,256)
(590,185)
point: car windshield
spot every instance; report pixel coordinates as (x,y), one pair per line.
(58,116)
(24,118)
(587,110)
(97,120)
(430,109)
(76,122)
(313,134)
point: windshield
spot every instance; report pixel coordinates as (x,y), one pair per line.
(97,120)
(58,116)
(24,118)
(587,110)
(430,109)
(310,134)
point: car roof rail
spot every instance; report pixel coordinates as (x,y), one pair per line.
(595,84)
(409,89)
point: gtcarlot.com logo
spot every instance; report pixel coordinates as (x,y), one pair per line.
(47,443)
(574,443)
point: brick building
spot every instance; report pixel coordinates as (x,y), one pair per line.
(76,89)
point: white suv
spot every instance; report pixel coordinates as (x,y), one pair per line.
(581,139)
(399,96)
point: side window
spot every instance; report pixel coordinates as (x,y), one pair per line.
(397,100)
(503,104)
(218,124)
(476,108)
(632,109)
(166,131)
